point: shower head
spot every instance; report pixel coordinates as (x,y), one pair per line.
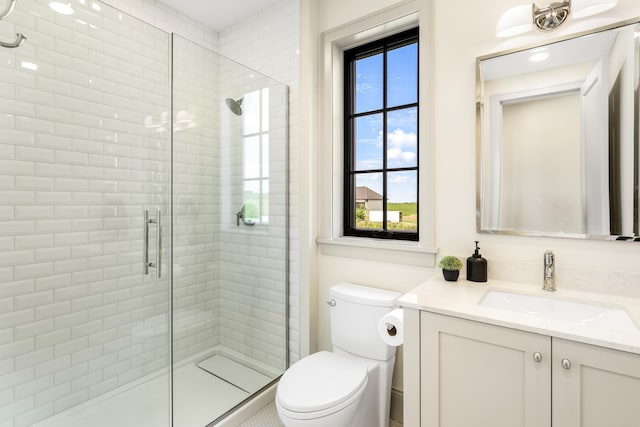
(234,106)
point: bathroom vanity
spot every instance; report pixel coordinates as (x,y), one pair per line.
(508,354)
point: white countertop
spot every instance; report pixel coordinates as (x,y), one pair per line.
(461,299)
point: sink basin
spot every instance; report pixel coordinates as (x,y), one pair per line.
(561,310)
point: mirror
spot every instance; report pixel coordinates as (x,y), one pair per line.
(558,137)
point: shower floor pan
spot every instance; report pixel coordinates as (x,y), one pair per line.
(203,391)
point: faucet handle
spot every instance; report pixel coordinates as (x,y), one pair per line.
(240,216)
(548,256)
(549,271)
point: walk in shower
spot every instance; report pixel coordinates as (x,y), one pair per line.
(143,223)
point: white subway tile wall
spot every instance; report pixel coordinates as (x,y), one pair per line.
(269,43)
(170,20)
(253,261)
(196,211)
(79,164)
(83,148)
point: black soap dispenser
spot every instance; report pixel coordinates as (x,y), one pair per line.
(476,266)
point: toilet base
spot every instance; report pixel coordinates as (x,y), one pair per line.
(344,417)
(377,399)
(372,406)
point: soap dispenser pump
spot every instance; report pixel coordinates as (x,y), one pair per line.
(476,266)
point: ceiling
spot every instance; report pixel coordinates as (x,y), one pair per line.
(219,14)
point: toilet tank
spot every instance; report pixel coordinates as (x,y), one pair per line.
(355,311)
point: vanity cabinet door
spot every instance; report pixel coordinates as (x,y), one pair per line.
(474,374)
(594,386)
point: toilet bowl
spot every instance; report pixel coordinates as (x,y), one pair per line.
(333,400)
(351,385)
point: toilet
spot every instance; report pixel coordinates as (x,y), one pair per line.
(351,385)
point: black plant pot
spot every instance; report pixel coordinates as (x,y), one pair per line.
(451,275)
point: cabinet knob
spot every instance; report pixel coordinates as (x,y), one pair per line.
(566,363)
(537,356)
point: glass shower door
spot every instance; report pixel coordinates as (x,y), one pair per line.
(84,152)
(230,233)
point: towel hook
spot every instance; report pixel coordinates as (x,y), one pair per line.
(19,40)
(7,11)
(19,37)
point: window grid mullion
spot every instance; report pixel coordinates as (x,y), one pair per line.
(384,139)
(350,221)
(381,110)
(406,169)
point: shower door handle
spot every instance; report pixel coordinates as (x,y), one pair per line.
(158,265)
(145,242)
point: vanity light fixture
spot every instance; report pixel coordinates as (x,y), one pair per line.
(523,18)
(514,21)
(584,8)
(550,17)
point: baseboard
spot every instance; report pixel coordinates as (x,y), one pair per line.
(396,413)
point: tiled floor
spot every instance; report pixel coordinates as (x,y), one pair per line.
(268,417)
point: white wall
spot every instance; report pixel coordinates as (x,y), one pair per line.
(458,38)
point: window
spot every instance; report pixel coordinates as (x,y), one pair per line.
(381,138)
(255,134)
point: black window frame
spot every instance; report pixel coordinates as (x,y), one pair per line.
(383,45)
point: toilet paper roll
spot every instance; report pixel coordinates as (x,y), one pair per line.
(391,327)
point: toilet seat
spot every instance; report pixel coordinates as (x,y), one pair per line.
(321,384)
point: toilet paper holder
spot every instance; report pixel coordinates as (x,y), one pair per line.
(391,330)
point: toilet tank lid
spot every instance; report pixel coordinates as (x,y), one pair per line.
(364,295)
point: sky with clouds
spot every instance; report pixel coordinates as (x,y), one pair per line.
(402,124)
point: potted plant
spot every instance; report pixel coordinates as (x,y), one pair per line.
(451,267)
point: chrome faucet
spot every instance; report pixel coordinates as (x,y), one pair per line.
(240,215)
(549,272)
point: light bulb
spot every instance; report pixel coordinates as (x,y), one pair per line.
(514,21)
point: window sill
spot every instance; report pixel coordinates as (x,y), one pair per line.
(397,252)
